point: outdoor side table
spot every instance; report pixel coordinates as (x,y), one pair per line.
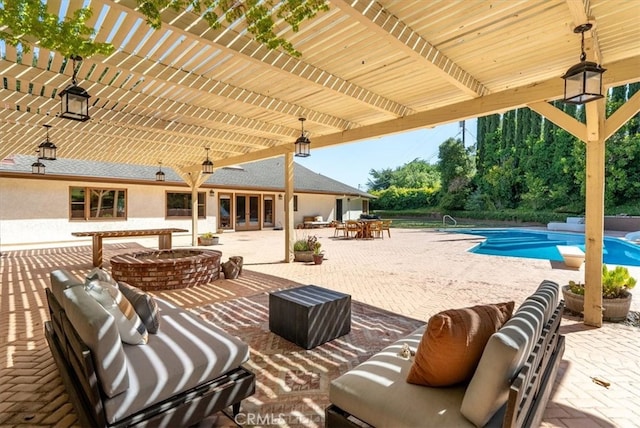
(309,315)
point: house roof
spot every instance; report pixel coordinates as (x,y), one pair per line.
(264,174)
(368,68)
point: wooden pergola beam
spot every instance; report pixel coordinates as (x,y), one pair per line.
(618,73)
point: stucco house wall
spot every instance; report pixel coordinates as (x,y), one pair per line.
(315,205)
(35,209)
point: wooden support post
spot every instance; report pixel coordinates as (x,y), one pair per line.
(194,216)
(164,241)
(288,207)
(594,224)
(97,250)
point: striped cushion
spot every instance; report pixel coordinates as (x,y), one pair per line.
(505,354)
(145,306)
(97,329)
(130,327)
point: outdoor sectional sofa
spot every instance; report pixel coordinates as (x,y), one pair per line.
(510,386)
(313,221)
(185,372)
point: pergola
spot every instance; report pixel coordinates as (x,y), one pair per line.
(368,68)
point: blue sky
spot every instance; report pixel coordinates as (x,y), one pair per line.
(350,163)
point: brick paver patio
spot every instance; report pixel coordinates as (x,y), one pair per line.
(416,273)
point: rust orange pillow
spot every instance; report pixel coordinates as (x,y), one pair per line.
(452,344)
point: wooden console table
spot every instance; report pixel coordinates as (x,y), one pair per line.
(164,239)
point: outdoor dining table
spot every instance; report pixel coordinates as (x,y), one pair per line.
(365,232)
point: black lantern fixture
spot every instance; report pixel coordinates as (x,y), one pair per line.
(583,81)
(159,174)
(74,99)
(38,167)
(302,144)
(47,149)
(207,165)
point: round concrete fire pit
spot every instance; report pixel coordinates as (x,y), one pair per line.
(167,269)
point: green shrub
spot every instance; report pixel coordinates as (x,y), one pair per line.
(615,283)
(479,201)
(397,198)
(309,243)
(454,200)
(300,245)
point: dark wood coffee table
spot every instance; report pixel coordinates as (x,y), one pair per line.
(309,315)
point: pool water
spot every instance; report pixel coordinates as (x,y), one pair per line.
(542,245)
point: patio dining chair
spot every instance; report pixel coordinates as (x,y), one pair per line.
(386,225)
(340,229)
(353,228)
(375,229)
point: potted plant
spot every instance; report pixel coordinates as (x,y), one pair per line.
(318,255)
(616,298)
(303,248)
(208,238)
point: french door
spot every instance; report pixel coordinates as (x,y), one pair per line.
(247,212)
(268,207)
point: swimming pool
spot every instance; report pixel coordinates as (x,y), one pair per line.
(542,245)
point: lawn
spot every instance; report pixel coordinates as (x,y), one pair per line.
(431,223)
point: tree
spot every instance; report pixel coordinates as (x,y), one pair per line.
(27,23)
(456,170)
(453,162)
(633,125)
(488,150)
(416,174)
(380,179)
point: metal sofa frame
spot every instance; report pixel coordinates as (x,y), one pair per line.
(75,363)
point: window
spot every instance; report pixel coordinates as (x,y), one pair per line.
(295,202)
(365,206)
(179,204)
(87,203)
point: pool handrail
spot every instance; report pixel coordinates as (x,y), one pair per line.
(447,216)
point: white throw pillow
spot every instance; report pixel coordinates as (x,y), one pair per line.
(99,274)
(130,327)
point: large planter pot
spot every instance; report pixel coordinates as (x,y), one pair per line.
(209,241)
(303,256)
(613,309)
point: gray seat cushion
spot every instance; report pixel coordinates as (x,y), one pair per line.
(377,392)
(185,352)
